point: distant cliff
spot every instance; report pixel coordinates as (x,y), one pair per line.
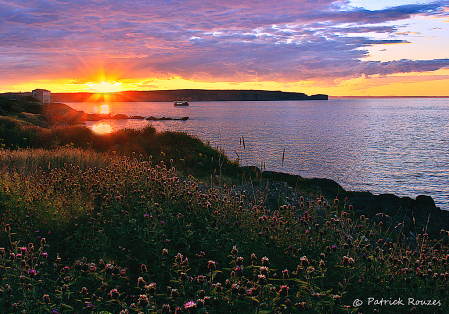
(187,94)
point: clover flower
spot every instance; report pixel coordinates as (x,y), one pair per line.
(143,300)
(283,291)
(212,265)
(114,294)
(190,306)
(140,282)
(262,280)
(265,261)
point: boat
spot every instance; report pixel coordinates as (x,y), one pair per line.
(181,103)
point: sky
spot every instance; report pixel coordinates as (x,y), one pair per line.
(334,47)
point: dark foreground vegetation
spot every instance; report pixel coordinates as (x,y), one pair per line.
(115,224)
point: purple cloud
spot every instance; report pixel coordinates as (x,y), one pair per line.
(287,40)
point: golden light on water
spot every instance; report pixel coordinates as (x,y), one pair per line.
(102,128)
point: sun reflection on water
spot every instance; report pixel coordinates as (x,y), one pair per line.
(103,109)
(102,128)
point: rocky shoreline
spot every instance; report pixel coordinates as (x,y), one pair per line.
(405,215)
(61,114)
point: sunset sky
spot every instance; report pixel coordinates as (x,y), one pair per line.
(340,48)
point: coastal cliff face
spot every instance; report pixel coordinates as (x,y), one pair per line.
(187,94)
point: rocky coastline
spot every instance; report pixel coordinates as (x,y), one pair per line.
(405,215)
(57,114)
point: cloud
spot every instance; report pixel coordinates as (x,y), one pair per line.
(289,40)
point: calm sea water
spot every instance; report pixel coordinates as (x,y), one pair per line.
(398,146)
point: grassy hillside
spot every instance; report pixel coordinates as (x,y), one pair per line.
(83,232)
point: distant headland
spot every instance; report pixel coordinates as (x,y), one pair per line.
(186,94)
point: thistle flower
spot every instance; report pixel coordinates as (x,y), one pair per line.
(32,273)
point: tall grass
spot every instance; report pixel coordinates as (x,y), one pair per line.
(28,160)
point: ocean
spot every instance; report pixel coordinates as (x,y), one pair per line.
(381,145)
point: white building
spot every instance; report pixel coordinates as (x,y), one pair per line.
(43,95)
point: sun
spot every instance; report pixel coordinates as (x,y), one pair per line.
(106,87)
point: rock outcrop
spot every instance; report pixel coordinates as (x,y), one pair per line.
(398,214)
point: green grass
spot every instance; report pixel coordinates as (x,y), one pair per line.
(188,153)
(85,232)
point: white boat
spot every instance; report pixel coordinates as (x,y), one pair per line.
(181,103)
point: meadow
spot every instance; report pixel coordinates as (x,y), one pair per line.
(145,222)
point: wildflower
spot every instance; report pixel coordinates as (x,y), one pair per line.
(253,292)
(264,271)
(285,274)
(200,303)
(143,300)
(143,268)
(254,257)
(140,282)
(165,252)
(284,291)
(178,310)
(46,298)
(114,294)
(166,308)
(32,273)
(310,270)
(304,261)
(178,258)
(262,280)
(151,288)
(174,293)
(337,299)
(190,306)
(239,261)
(265,261)
(234,250)
(212,265)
